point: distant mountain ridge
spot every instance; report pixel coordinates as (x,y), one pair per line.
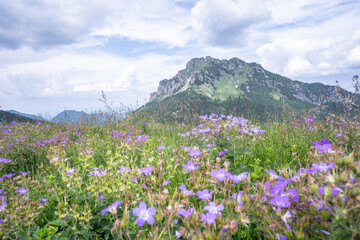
(8,117)
(236,86)
(27,115)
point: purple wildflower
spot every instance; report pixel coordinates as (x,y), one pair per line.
(322,146)
(124,169)
(71,171)
(194,153)
(3,202)
(134,180)
(101,197)
(213,208)
(186,213)
(323,167)
(237,197)
(144,214)
(147,170)
(111,208)
(205,194)
(166,182)
(221,154)
(209,217)
(22,190)
(24,173)
(221,174)
(205,130)
(190,166)
(286,217)
(43,200)
(321,190)
(184,190)
(238,178)
(281,202)
(339,134)
(4,160)
(335,191)
(273,174)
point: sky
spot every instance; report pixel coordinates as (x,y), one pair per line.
(61,54)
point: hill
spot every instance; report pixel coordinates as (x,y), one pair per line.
(236,87)
(8,117)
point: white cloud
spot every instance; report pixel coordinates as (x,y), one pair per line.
(310,38)
(354,55)
(224,22)
(65,74)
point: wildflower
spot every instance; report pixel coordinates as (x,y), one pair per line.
(339,134)
(144,214)
(205,130)
(205,194)
(237,197)
(335,191)
(24,173)
(209,217)
(323,167)
(186,213)
(166,182)
(176,221)
(238,178)
(281,202)
(273,174)
(71,171)
(190,166)
(54,159)
(43,200)
(7,176)
(178,234)
(134,180)
(213,208)
(124,169)
(184,190)
(221,154)
(322,146)
(321,190)
(4,160)
(22,190)
(3,202)
(286,217)
(147,170)
(194,153)
(1,191)
(101,197)
(111,208)
(221,174)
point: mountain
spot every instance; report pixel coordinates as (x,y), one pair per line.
(71,116)
(209,85)
(8,117)
(26,115)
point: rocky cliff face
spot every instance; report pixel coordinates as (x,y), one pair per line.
(221,79)
(234,86)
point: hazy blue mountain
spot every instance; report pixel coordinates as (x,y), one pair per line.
(8,117)
(26,115)
(209,85)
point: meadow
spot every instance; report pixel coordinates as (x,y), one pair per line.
(222,178)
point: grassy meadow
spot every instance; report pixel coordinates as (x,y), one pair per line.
(225,178)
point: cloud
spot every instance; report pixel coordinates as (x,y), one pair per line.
(69,73)
(311,39)
(224,22)
(41,24)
